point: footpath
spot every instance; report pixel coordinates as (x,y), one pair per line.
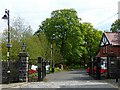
(76,78)
(12,85)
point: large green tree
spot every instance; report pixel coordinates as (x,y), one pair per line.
(64,28)
(92,39)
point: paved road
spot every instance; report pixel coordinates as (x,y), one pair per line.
(69,75)
(77,79)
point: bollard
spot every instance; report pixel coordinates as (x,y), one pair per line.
(98,73)
(43,69)
(39,68)
(108,67)
(49,66)
(53,69)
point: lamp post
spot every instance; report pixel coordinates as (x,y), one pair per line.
(7,17)
(52,65)
(52,62)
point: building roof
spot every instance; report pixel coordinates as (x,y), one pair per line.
(107,40)
(114,38)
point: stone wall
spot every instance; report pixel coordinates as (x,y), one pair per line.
(13,71)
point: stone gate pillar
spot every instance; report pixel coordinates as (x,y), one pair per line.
(23,65)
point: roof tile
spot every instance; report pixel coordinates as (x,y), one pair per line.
(114,38)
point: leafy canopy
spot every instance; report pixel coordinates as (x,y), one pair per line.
(64,28)
(115,26)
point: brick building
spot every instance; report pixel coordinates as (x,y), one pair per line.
(109,51)
(109,44)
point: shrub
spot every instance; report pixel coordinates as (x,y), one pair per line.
(33,75)
(32,71)
(57,69)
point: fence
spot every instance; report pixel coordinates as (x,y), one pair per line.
(40,73)
(14,75)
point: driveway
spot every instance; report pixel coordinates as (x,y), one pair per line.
(68,80)
(76,75)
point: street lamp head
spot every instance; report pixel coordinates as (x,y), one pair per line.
(6,11)
(5,17)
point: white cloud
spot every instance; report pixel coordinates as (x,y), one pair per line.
(35,11)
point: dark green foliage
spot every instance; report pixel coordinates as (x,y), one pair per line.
(73,42)
(64,29)
(74,39)
(115,26)
(92,39)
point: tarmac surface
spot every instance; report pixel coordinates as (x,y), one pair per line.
(73,80)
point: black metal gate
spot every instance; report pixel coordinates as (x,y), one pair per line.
(32,75)
(112,69)
(40,73)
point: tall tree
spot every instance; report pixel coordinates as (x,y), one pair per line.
(64,29)
(18,32)
(46,48)
(91,41)
(115,26)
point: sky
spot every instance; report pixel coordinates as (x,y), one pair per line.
(100,13)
